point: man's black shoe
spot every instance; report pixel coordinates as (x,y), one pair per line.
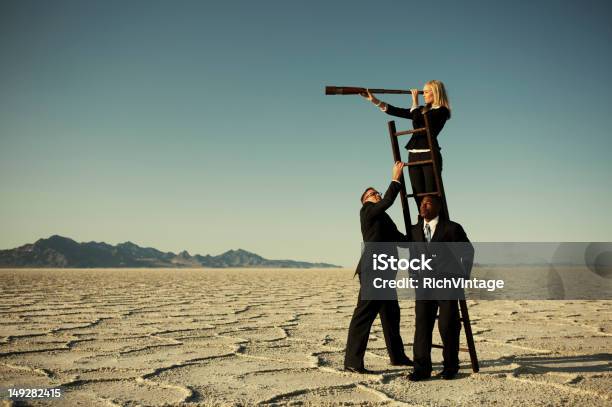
(417,376)
(448,374)
(360,370)
(403,362)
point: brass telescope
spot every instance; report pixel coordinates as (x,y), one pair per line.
(351,90)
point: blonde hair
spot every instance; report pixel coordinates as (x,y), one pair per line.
(439,94)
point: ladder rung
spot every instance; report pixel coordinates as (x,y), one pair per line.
(415,163)
(422,194)
(401,133)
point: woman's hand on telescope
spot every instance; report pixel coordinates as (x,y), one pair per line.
(372,99)
(415,97)
(367,95)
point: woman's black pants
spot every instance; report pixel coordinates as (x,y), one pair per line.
(422,176)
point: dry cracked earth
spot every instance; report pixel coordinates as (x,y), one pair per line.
(242,337)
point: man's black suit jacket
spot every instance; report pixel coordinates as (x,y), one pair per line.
(376,224)
(449,260)
(446,231)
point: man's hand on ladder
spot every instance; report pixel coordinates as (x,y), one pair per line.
(397,170)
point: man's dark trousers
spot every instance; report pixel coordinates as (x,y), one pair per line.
(359,330)
(449,323)
(449,326)
(376,226)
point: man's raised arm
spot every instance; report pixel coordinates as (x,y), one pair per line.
(391,193)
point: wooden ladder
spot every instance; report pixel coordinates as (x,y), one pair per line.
(394,134)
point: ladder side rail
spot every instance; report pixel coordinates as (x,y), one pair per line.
(465,317)
(397,157)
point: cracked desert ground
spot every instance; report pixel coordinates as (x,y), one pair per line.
(156,337)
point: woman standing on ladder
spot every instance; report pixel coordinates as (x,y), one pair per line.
(437,109)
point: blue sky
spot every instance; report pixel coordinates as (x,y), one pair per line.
(203,125)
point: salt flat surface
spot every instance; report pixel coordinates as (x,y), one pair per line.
(241,337)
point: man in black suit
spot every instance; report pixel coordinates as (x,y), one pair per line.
(377,226)
(433,228)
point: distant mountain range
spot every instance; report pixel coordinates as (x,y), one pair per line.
(58,251)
